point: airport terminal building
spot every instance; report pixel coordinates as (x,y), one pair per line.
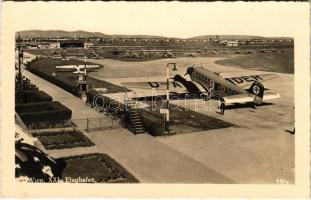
(71,44)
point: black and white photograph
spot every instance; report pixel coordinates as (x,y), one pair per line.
(182,95)
(148,100)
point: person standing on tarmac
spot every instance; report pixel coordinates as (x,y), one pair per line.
(222,106)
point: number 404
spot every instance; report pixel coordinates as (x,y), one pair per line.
(282,181)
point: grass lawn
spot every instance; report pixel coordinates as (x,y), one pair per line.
(98,166)
(63,139)
(45,68)
(270,61)
(187,121)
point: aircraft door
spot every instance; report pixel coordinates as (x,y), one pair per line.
(212,85)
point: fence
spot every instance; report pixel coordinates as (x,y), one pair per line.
(101,123)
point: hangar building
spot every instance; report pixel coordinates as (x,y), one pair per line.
(72,44)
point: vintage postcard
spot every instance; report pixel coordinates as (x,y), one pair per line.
(155,99)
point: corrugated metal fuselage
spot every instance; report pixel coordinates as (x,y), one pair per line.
(212,82)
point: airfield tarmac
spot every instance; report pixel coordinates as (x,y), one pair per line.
(257,149)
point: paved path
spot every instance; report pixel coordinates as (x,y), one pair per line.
(152,161)
(144,156)
(58,153)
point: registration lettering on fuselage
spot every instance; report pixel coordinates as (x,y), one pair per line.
(242,79)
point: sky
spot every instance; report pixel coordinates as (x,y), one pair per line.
(172,19)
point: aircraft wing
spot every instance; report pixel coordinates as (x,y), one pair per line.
(89,66)
(238,98)
(243,81)
(158,85)
(245,98)
(66,67)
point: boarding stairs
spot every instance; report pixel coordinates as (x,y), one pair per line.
(133,111)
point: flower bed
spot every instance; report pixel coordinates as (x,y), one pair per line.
(44,114)
(33,96)
(181,121)
(63,139)
(98,168)
(26,84)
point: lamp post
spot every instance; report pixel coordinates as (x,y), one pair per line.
(84,81)
(85,67)
(167,112)
(20,56)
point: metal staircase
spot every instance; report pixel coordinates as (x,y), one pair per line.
(132,109)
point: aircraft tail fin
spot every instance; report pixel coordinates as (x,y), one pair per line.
(257,89)
(255,95)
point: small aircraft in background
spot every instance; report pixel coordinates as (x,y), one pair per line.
(231,90)
(77,69)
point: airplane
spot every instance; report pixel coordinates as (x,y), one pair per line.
(77,69)
(231,90)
